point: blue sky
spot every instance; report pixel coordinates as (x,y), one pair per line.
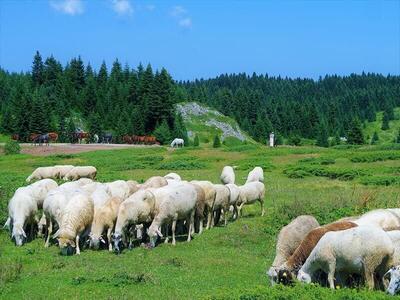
(195,39)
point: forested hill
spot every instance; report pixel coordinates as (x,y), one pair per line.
(329,106)
(56,98)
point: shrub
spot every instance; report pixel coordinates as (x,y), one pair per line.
(162,133)
(380,180)
(217,142)
(376,156)
(12,147)
(196,141)
(294,140)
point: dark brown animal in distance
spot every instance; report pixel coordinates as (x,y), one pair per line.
(287,272)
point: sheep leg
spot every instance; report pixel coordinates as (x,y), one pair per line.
(209,214)
(262,207)
(109,239)
(191,225)
(235,212)
(78,251)
(201,226)
(173,232)
(49,224)
(331,274)
(369,278)
(166,234)
(225,217)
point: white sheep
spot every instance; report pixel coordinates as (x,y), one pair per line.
(250,193)
(173,176)
(289,238)
(55,203)
(122,189)
(22,209)
(234,193)
(227,175)
(76,219)
(221,203)
(81,171)
(384,218)
(210,193)
(177,203)
(104,219)
(394,283)
(40,188)
(63,170)
(154,182)
(257,174)
(363,250)
(139,208)
(43,172)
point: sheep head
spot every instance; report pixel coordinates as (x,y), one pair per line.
(394,284)
(67,246)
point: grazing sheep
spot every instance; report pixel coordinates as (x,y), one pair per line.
(122,189)
(104,219)
(384,218)
(210,193)
(21,211)
(178,203)
(233,198)
(80,172)
(43,172)
(289,238)
(250,193)
(200,207)
(100,195)
(295,261)
(221,203)
(173,176)
(139,208)
(227,175)
(76,219)
(257,174)
(363,250)
(63,170)
(40,188)
(154,182)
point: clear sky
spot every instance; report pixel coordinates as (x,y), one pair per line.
(205,38)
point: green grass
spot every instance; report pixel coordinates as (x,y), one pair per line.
(222,263)
(385,136)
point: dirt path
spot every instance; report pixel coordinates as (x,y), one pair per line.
(60,148)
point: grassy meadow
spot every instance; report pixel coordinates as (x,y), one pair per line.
(222,263)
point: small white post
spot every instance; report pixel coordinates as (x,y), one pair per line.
(271,139)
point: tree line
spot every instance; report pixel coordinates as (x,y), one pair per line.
(52,97)
(332,106)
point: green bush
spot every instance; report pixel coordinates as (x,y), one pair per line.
(380,180)
(294,140)
(217,142)
(196,141)
(12,147)
(376,156)
(317,161)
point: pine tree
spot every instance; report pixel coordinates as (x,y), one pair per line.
(71,130)
(398,137)
(385,121)
(179,129)
(196,141)
(217,142)
(162,133)
(37,70)
(375,138)
(355,134)
(322,136)
(39,122)
(94,125)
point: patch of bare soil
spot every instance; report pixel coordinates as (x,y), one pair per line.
(71,148)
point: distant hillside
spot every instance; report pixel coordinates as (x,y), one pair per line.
(207,122)
(385,136)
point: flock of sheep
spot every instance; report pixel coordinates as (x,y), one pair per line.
(85,212)
(363,249)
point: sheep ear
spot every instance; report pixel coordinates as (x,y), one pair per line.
(23,233)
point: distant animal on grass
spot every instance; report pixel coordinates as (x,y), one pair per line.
(53,136)
(15,137)
(107,138)
(81,172)
(177,143)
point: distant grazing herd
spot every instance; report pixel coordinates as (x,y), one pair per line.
(114,215)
